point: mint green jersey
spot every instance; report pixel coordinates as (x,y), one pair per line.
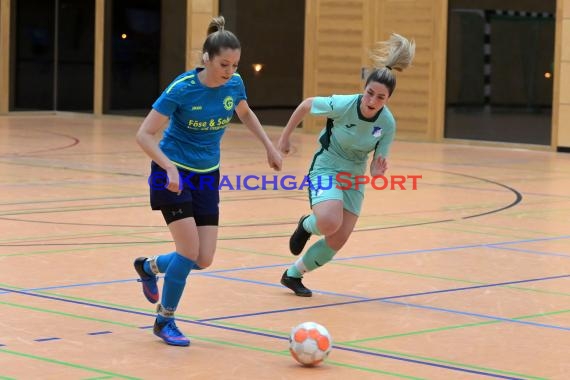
(349,137)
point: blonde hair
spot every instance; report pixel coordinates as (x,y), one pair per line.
(396,53)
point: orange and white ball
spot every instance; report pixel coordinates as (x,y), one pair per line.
(310,343)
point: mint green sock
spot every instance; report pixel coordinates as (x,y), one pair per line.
(310,225)
(294,272)
(316,256)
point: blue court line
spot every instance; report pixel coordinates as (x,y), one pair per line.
(364,352)
(529,240)
(397,253)
(530,251)
(46,339)
(411,252)
(469,314)
(54,298)
(100,333)
(388,298)
(72,285)
(359,351)
(359,300)
(208,272)
(258,333)
(277,285)
(429,250)
(454,248)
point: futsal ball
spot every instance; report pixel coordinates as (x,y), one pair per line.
(310,343)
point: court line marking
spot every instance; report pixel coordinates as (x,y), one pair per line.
(387,298)
(530,251)
(452,327)
(241,330)
(67,364)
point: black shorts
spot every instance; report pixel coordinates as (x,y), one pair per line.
(200,195)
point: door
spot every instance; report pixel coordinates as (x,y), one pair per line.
(53,62)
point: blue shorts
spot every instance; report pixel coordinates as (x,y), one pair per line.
(200,190)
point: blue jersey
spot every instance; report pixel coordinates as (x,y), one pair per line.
(198,116)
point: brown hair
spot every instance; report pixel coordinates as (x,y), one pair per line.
(219,38)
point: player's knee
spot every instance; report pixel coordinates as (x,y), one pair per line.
(328,225)
(203,264)
(206,256)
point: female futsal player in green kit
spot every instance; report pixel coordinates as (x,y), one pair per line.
(356,126)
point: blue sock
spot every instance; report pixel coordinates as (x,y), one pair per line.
(163,261)
(174,282)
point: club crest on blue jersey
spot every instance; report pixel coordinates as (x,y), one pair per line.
(376,131)
(228,103)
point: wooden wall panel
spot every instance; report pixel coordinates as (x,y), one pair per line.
(564,79)
(414,103)
(561,96)
(338,40)
(199,14)
(564,126)
(334,31)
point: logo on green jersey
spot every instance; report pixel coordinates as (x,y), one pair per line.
(376,131)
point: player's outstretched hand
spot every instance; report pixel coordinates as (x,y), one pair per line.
(284,145)
(378,166)
(173,180)
(274,158)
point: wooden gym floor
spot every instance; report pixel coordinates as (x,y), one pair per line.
(466,277)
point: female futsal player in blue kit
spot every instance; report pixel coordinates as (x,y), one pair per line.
(356,126)
(185,175)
